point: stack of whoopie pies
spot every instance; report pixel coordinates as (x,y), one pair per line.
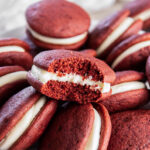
(59,89)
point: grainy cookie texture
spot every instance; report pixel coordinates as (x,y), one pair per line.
(130,130)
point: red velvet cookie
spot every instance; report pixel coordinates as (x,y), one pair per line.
(63,28)
(128,91)
(130,130)
(111,31)
(90,52)
(140,9)
(23,119)
(69,75)
(148,69)
(78,127)
(130,53)
(15,52)
(12,79)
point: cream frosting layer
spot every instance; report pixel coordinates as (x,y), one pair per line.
(45,76)
(93,140)
(115,35)
(11,49)
(130,51)
(12,77)
(58,41)
(141,32)
(127,86)
(22,125)
(144,15)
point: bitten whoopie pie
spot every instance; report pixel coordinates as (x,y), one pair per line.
(109,32)
(69,75)
(130,53)
(63,28)
(23,119)
(140,10)
(12,80)
(78,127)
(130,130)
(15,52)
(128,91)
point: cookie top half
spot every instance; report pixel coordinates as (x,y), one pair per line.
(57,18)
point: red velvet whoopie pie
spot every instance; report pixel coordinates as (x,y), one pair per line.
(130,54)
(111,31)
(78,127)
(23,118)
(128,91)
(15,52)
(63,28)
(69,75)
(12,80)
(140,9)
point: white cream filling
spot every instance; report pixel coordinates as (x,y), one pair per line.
(11,49)
(144,15)
(130,51)
(12,77)
(115,35)
(58,41)
(45,76)
(141,32)
(127,86)
(93,140)
(22,125)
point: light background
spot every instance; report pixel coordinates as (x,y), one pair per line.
(12,19)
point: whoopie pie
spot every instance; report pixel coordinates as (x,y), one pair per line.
(130,54)
(128,91)
(78,127)
(69,75)
(140,10)
(23,118)
(57,24)
(15,52)
(12,79)
(111,31)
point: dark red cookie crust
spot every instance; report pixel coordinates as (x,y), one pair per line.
(20,104)
(23,59)
(73,121)
(134,61)
(106,27)
(71,62)
(90,52)
(127,76)
(148,69)
(130,130)
(130,99)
